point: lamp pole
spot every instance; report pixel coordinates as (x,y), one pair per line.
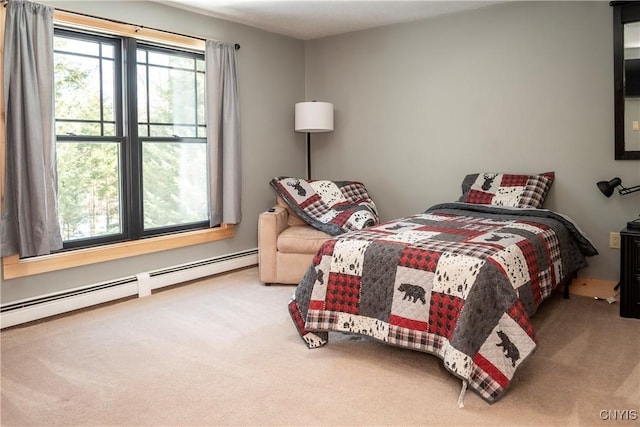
(308,155)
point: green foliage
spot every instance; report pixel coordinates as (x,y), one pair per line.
(89,173)
(88,189)
(183,197)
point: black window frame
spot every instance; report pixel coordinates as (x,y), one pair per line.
(131,144)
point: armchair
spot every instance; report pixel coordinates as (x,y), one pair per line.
(286,245)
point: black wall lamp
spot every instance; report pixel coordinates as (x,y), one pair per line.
(607,188)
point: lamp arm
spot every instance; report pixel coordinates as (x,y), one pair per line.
(624,191)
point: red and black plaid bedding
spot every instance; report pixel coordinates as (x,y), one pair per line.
(458,281)
(334,207)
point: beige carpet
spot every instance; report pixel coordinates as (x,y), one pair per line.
(223,351)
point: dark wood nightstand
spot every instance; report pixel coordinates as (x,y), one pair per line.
(630,273)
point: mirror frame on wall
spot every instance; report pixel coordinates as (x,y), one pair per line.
(623,12)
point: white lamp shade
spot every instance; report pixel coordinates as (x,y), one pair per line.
(314,116)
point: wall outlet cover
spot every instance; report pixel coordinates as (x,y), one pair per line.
(614,240)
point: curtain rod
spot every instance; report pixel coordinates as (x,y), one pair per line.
(140,27)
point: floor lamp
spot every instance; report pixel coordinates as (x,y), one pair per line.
(313,117)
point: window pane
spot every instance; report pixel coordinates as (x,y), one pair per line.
(142,131)
(85,87)
(77,80)
(108,90)
(108,51)
(170,93)
(171,96)
(170,60)
(175,183)
(200,101)
(83,47)
(143,106)
(141,55)
(77,128)
(88,189)
(161,131)
(173,131)
(109,129)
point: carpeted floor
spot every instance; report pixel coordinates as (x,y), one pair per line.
(223,351)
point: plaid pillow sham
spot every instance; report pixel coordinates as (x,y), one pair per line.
(509,190)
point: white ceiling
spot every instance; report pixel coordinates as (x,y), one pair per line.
(311,19)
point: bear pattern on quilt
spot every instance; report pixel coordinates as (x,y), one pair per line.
(460,284)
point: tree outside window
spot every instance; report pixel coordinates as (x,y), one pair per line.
(121,182)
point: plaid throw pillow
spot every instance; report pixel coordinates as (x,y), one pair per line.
(510,190)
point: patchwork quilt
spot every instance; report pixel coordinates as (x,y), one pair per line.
(459,281)
(334,207)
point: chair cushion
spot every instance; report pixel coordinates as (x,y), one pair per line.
(301,239)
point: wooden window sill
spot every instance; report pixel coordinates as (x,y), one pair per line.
(14,267)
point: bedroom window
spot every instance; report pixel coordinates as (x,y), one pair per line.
(131,142)
(127,184)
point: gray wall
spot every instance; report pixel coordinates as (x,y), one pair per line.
(525,87)
(271,81)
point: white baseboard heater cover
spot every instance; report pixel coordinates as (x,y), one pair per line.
(141,284)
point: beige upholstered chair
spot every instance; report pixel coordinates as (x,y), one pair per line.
(286,245)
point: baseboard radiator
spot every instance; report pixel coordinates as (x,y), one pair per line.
(30,309)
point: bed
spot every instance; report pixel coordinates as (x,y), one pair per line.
(460,280)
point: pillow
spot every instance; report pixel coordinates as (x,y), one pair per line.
(510,190)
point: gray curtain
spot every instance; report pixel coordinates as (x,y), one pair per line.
(223,133)
(29,215)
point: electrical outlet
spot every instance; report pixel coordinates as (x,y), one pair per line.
(614,240)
